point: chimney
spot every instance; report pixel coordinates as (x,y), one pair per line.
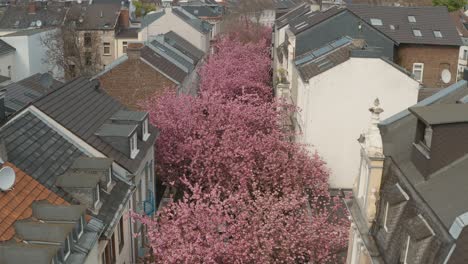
(31,8)
(133,50)
(124,18)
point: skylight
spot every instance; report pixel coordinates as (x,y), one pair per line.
(437,34)
(392,27)
(376,21)
(417,33)
(411,19)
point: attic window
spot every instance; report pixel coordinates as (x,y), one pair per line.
(417,33)
(145,128)
(423,139)
(437,34)
(412,19)
(376,21)
(133,146)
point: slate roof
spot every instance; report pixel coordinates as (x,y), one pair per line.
(200,25)
(17,17)
(392,2)
(286,4)
(74,106)
(4,79)
(102,16)
(173,55)
(183,45)
(428,20)
(127,33)
(445,190)
(151,17)
(40,82)
(5,48)
(42,153)
(16,204)
(442,114)
(306,21)
(292,14)
(26,32)
(201,11)
(163,64)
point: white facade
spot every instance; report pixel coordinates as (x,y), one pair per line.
(171,22)
(335,110)
(31,55)
(7,65)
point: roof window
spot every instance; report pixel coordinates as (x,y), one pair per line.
(417,33)
(376,21)
(392,27)
(412,19)
(437,34)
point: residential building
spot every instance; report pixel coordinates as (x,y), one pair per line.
(176,19)
(30,56)
(166,62)
(411,3)
(460,19)
(7,60)
(38,226)
(209,11)
(123,39)
(427,41)
(410,203)
(104,161)
(335,83)
(21,15)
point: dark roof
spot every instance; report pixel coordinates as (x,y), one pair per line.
(200,25)
(169,52)
(27,32)
(17,17)
(286,4)
(40,82)
(163,64)
(392,2)
(428,20)
(292,14)
(42,153)
(151,17)
(11,251)
(183,45)
(128,33)
(74,106)
(441,113)
(445,190)
(201,11)
(103,16)
(311,19)
(460,20)
(4,78)
(326,57)
(5,48)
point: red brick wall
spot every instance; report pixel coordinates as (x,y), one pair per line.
(435,59)
(133,81)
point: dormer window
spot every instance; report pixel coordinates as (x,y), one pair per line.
(96,196)
(145,129)
(133,146)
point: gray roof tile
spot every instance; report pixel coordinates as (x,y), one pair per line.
(5,48)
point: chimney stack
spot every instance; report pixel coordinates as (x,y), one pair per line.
(134,50)
(124,18)
(32,7)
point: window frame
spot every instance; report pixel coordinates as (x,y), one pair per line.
(417,33)
(421,65)
(124,46)
(438,34)
(145,129)
(133,145)
(410,18)
(376,21)
(106,45)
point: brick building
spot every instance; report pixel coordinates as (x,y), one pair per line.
(166,62)
(415,208)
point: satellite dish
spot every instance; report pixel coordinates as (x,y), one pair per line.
(446,76)
(38,23)
(7,178)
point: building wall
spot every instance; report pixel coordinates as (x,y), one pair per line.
(435,59)
(462,61)
(108,36)
(8,60)
(335,110)
(22,65)
(133,81)
(93,255)
(170,22)
(118,51)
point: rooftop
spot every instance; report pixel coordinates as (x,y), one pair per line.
(441,113)
(51,14)
(5,48)
(200,25)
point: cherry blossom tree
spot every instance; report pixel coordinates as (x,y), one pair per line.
(258,227)
(212,141)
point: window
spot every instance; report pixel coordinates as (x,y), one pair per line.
(465,54)
(412,19)
(418,71)
(145,128)
(66,249)
(87,40)
(120,234)
(109,179)
(376,21)
(88,58)
(417,33)
(107,48)
(96,196)
(386,216)
(124,47)
(437,34)
(407,245)
(72,70)
(133,146)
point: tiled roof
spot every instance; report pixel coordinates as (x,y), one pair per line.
(392,2)
(17,16)
(311,19)
(396,24)
(163,64)
(82,108)
(40,82)
(291,15)
(200,25)
(201,11)
(183,45)
(151,17)
(5,48)
(128,33)
(103,16)
(16,204)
